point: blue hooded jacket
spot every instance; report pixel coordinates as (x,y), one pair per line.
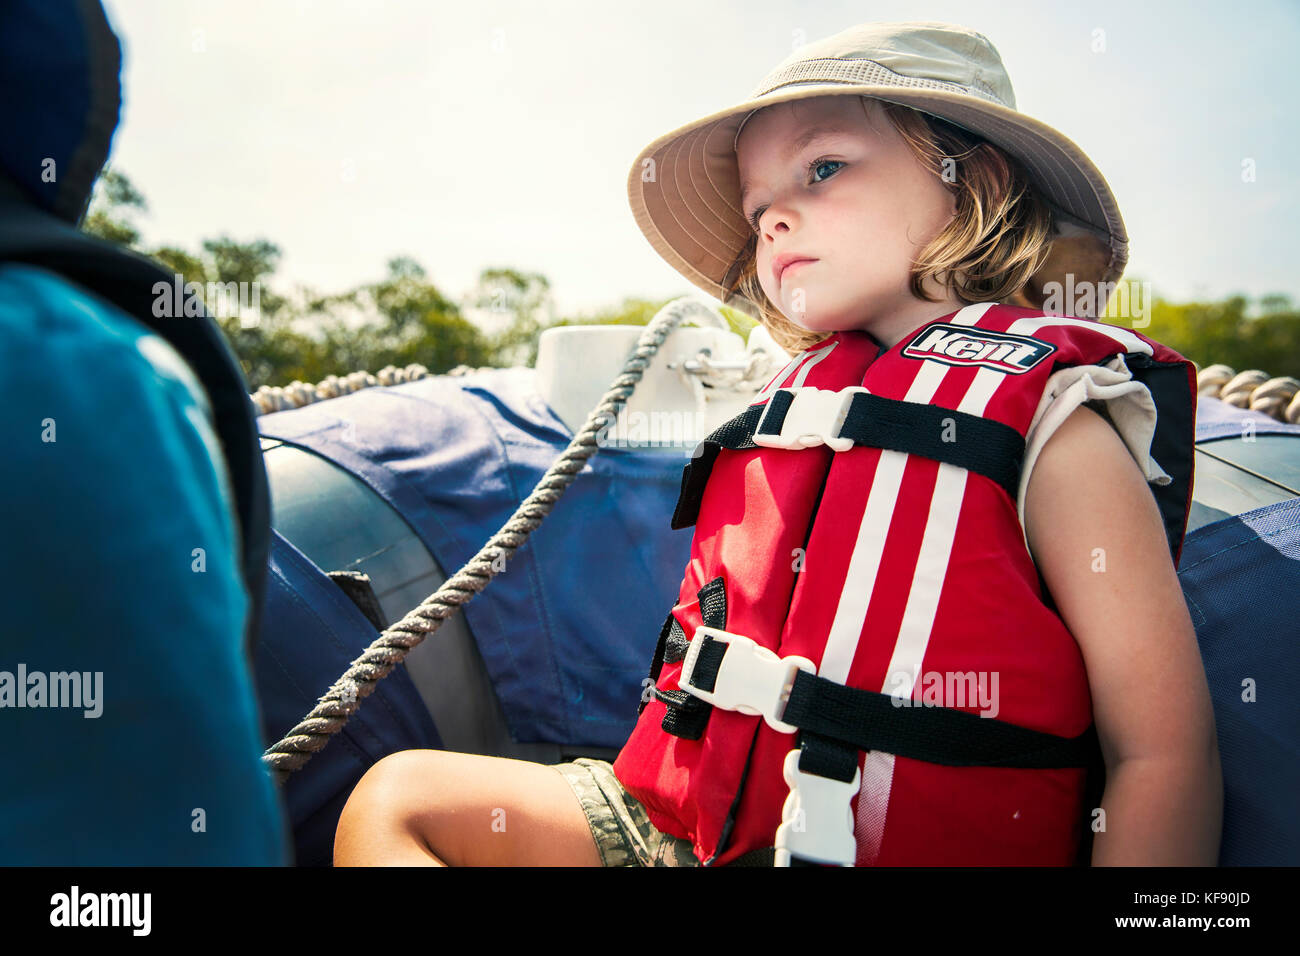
(135,514)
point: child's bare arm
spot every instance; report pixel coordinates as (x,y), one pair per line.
(1096,535)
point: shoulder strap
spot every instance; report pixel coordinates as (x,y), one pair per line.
(988,447)
(737,434)
(126,280)
(1172,385)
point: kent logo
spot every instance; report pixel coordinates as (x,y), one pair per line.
(968,345)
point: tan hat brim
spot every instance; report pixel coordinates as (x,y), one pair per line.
(684,188)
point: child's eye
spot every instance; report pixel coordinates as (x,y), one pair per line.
(818,163)
(812,168)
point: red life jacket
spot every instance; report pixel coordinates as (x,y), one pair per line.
(949,720)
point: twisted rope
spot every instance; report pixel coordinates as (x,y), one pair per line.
(1277,397)
(344,696)
(279,398)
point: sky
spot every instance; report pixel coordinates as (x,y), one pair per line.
(500,133)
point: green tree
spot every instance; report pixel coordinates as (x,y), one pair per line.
(113,207)
(405,298)
(399,320)
(520,300)
(1210,333)
(188,266)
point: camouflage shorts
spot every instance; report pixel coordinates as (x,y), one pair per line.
(622,831)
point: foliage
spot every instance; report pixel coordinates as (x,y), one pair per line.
(112,209)
(404,318)
(1211,333)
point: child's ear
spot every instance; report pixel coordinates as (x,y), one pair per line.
(1080,253)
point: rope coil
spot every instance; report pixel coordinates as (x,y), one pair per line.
(1278,396)
(296,394)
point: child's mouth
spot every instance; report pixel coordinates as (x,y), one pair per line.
(795,265)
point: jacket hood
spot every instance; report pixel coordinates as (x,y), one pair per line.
(60,96)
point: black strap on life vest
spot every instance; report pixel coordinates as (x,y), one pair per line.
(980,445)
(867,720)
(127,280)
(837,721)
(1173,445)
(687,715)
(736,435)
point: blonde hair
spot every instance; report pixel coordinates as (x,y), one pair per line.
(999,237)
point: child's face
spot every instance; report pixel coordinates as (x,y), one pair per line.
(863,211)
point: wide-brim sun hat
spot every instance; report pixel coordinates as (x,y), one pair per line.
(684,188)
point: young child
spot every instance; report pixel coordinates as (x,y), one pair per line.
(882,208)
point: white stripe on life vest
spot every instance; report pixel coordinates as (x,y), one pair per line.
(1131,343)
(927,581)
(864,563)
(779,378)
(817,357)
(805,359)
(922,604)
(936,546)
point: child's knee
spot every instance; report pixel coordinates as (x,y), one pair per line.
(388,795)
(472,809)
(430,796)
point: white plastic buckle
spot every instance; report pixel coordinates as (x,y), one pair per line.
(817,818)
(751,678)
(815,417)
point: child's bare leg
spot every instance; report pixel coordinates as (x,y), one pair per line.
(438,808)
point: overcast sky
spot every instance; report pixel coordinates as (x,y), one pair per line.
(501,132)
